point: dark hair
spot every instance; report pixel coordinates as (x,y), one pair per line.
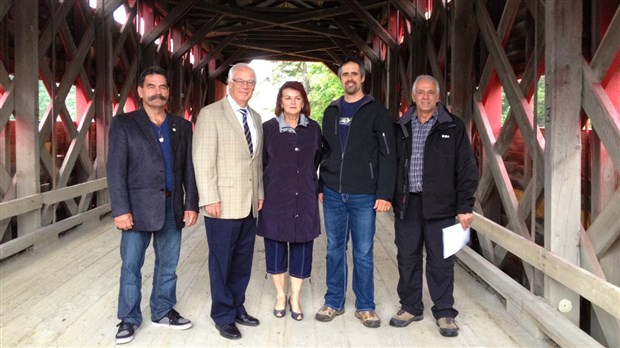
(299,87)
(355,60)
(152,70)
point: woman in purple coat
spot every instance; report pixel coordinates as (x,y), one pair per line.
(289,220)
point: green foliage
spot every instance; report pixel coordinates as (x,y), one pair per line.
(540,119)
(44,101)
(321,84)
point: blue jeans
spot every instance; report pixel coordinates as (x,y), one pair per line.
(167,245)
(349,215)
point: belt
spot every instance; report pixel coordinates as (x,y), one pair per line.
(168,193)
(415,193)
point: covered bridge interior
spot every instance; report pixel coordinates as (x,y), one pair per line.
(537,82)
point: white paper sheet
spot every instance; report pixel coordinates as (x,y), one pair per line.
(454,238)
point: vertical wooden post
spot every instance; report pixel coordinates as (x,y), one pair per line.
(103,91)
(563,70)
(176,76)
(392,95)
(462,81)
(27,109)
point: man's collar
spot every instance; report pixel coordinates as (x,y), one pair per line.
(234,104)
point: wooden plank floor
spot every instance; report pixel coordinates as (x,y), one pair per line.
(65,294)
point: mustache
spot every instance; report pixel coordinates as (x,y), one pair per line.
(157,96)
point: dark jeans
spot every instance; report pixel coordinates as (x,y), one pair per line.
(167,245)
(412,233)
(349,215)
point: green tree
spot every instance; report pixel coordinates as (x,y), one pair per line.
(540,107)
(321,84)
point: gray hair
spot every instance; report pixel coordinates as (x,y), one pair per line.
(426,77)
(236,67)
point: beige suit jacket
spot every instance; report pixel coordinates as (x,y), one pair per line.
(225,171)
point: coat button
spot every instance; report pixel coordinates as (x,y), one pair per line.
(296,149)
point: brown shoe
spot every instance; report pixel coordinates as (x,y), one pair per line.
(403,318)
(447,327)
(368,318)
(327,313)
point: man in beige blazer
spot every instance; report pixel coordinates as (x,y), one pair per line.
(227,154)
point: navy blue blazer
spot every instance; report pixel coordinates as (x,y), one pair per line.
(136,173)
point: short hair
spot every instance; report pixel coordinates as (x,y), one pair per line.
(236,67)
(152,70)
(425,77)
(299,87)
(355,60)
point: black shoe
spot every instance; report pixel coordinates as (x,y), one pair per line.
(173,320)
(229,331)
(126,332)
(246,319)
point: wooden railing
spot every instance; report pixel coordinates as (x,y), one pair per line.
(23,205)
(531,307)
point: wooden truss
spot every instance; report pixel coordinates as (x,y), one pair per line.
(549,218)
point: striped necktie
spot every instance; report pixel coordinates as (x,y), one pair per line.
(246,130)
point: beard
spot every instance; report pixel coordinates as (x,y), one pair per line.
(351,89)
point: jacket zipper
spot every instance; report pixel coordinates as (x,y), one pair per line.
(387,148)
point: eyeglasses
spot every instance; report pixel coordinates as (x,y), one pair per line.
(430,93)
(240,82)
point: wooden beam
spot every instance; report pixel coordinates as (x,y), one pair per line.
(519,105)
(361,44)
(584,283)
(26,111)
(410,11)
(511,9)
(236,12)
(563,79)
(196,37)
(603,114)
(5,6)
(605,229)
(500,174)
(608,48)
(527,305)
(214,52)
(107,7)
(168,21)
(464,31)
(372,23)
(23,205)
(226,64)
(433,61)
(7,105)
(589,261)
(16,245)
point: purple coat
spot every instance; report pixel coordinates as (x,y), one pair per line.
(291,210)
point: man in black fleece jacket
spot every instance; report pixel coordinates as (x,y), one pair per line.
(358,170)
(436,181)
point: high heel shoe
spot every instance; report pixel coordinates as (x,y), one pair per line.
(297,316)
(280,313)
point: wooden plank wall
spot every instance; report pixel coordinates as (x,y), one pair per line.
(469,46)
(82,48)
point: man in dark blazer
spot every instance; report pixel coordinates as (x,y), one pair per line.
(153,195)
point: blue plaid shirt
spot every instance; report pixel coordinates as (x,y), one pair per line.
(419,132)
